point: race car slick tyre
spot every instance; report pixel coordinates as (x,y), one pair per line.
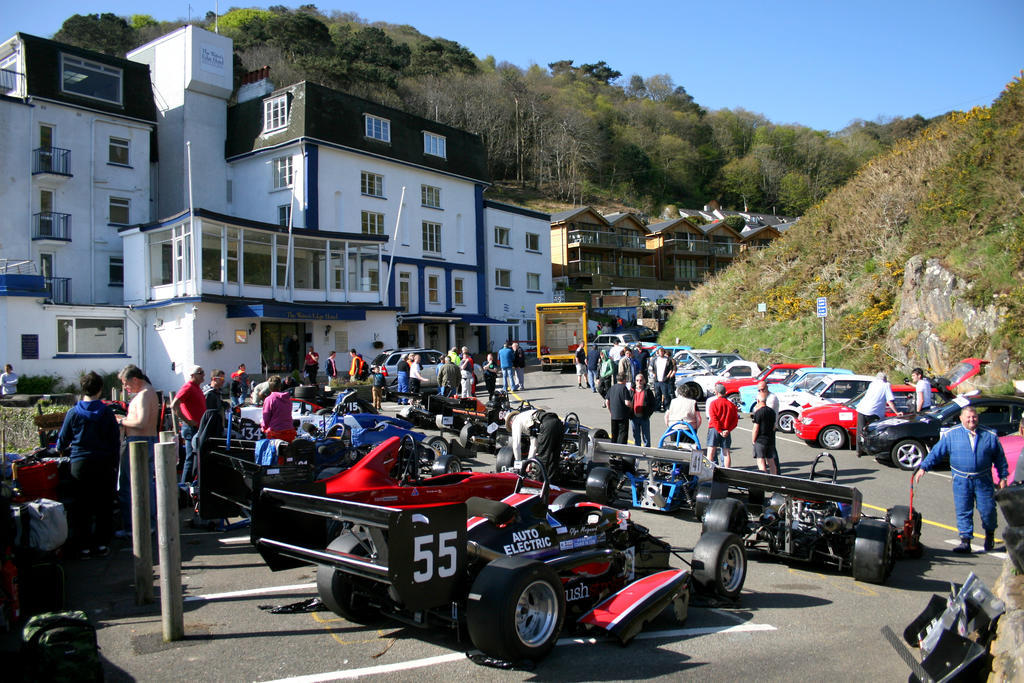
(601,434)
(786,421)
(504,460)
(725,514)
(707,492)
(515,609)
(908,454)
(832,438)
(872,551)
(438,445)
(602,485)
(465,434)
(445,464)
(335,587)
(720,564)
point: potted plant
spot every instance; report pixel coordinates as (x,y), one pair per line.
(216,344)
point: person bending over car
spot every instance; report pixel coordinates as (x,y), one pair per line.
(972,451)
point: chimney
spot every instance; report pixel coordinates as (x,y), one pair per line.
(255,84)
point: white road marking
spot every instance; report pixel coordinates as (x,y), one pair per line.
(456,656)
(254,591)
(956,541)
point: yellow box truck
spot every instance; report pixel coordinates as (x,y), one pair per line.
(561,328)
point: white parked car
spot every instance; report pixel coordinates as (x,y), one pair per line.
(828,389)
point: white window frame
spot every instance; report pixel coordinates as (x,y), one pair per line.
(377,128)
(533,282)
(371,184)
(81,65)
(536,238)
(284,214)
(275,113)
(430,196)
(372,222)
(122,203)
(435,145)
(119,144)
(69,337)
(502,236)
(283,173)
(459,291)
(433,288)
(503,278)
(431,237)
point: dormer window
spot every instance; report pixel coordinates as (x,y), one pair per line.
(378,129)
(275,113)
(434,145)
(90,79)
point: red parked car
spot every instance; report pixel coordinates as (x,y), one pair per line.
(834,426)
(777,372)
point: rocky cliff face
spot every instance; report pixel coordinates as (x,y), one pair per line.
(938,326)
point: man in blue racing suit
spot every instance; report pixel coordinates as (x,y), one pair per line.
(972,452)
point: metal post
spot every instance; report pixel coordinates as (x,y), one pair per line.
(142,547)
(168,527)
(824,360)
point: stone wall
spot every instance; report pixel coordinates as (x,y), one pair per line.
(1008,648)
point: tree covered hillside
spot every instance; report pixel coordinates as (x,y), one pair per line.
(568,134)
(954,193)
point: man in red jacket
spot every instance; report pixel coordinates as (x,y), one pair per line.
(722,419)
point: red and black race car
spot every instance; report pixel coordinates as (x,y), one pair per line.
(512,570)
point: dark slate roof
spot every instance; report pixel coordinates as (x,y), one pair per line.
(664,225)
(336,118)
(563,216)
(42,64)
(512,208)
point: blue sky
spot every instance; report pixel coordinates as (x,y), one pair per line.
(818,63)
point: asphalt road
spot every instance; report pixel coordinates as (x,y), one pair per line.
(792,622)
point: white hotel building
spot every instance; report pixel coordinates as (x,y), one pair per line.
(196,224)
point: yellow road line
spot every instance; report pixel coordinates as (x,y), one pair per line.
(928,521)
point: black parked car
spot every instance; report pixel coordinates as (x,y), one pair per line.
(904,441)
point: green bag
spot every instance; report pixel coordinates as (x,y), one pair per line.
(61,646)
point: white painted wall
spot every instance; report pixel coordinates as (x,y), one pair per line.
(519,302)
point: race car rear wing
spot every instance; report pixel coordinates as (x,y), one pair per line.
(420,552)
(694,464)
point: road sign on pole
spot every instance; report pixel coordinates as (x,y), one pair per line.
(822,307)
(822,310)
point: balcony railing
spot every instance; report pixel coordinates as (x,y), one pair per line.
(58,289)
(51,160)
(724,248)
(49,225)
(684,246)
(605,239)
(610,268)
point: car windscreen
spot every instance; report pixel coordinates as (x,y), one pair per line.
(819,387)
(806,382)
(379,359)
(958,373)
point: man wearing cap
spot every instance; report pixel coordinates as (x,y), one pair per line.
(189,404)
(872,406)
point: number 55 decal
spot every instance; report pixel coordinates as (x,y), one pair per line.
(423,555)
(427,554)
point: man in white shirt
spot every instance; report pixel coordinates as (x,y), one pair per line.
(872,406)
(615,352)
(922,390)
(8,381)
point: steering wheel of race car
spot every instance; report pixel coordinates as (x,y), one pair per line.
(407,466)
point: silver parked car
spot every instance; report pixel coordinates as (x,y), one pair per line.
(430,359)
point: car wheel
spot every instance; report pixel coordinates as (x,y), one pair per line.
(504,460)
(465,434)
(786,421)
(602,485)
(708,492)
(336,587)
(601,434)
(567,500)
(693,391)
(908,454)
(720,564)
(438,445)
(872,551)
(725,514)
(735,398)
(833,438)
(445,464)
(515,609)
